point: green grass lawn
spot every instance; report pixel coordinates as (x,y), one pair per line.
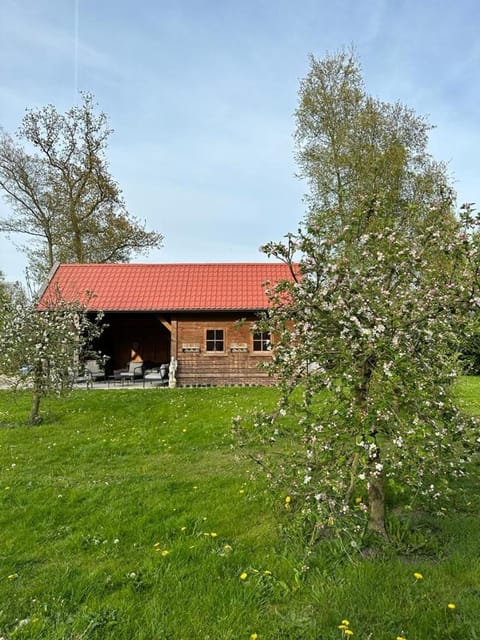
(131,515)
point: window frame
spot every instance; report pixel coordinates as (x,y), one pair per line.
(215,340)
(264,342)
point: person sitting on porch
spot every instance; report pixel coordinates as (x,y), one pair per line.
(135,359)
(134,353)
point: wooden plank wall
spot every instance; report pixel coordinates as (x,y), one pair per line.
(237,365)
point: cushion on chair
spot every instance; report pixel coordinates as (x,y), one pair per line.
(135,369)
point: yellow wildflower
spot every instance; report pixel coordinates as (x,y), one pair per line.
(418,575)
(358,500)
(162,552)
(450,605)
(345,622)
(348,632)
(244,575)
(288,499)
(401,638)
(254,636)
(227,548)
(12,576)
(213,534)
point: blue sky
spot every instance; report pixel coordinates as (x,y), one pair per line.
(201,95)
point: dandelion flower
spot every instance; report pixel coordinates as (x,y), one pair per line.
(267,573)
(346,622)
(401,638)
(418,576)
(450,605)
(213,534)
(227,548)
(288,499)
(348,632)
(254,636)
(12,576)
(244,575)
(165,552)
(358,500)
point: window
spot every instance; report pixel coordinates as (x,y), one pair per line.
(261,341)
(214,340)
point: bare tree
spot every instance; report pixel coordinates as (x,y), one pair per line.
(61,194)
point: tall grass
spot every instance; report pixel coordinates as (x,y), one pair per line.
(132,515)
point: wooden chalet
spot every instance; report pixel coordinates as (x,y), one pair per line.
(189,312)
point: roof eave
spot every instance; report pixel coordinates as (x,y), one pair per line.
(183,310)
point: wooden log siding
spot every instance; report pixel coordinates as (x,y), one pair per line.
(164,306)
(237,364)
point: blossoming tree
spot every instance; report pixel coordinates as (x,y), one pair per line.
(386,280)
(43,349)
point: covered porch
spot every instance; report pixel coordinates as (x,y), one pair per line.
(147,335)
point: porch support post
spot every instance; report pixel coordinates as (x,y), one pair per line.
(173,340)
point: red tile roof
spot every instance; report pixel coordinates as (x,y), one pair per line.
(166,287)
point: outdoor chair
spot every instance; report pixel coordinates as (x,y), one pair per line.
(158,375)
(133,372)
(92,371)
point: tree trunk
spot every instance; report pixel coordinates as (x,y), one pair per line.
(37,394)
(77,243)
(376,489)
(35,408)
(376,505)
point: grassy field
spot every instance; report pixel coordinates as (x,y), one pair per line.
(130,515)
